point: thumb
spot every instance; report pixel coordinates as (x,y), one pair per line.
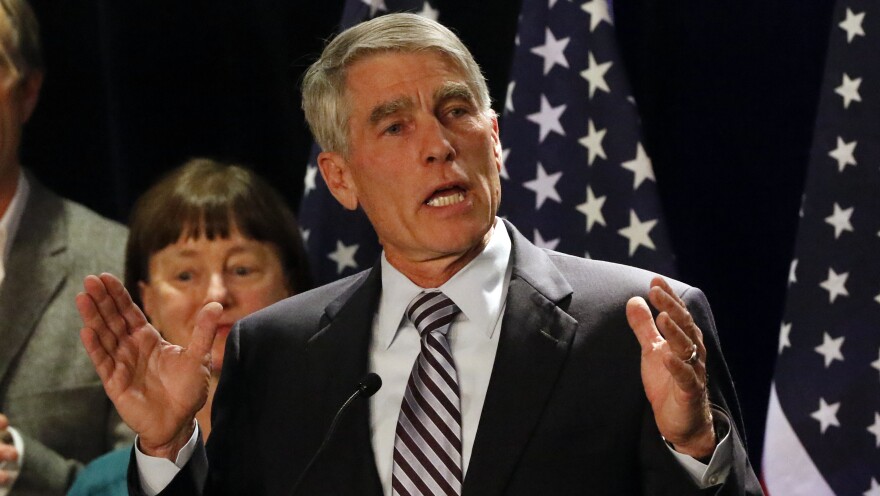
(206,329)
(642,323)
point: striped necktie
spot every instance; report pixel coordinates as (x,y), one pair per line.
(427,443)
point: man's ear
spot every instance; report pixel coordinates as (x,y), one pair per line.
(337,175)
(497,139)
(30,94)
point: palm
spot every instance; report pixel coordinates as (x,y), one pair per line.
(157,387)
(160,386)
(672,405)
(674,385)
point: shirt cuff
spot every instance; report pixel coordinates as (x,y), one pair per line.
(719,465)
(156,472)
(13,468)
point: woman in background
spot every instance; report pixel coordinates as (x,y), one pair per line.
(205,232)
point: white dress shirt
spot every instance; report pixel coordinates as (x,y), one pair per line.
(11,219)
(480,291)
(9,223)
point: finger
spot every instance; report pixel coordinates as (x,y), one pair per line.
(642,323)
(130,312)
(680,343)
(101,359)
(96,288)
(8,453)
(5,478)
(92,319)
(4,422)
(206,329)
(666,300)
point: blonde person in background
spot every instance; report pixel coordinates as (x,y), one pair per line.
(206,232)
(54,415)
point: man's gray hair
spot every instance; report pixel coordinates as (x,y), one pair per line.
(325,101)
(25,51)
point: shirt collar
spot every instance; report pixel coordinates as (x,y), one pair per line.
(12,217)
(479,289)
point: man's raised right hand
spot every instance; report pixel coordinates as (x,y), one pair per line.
(157,386)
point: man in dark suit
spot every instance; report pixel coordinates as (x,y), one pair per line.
(54,415)
(536,373)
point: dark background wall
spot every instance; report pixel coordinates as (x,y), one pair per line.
(727,92)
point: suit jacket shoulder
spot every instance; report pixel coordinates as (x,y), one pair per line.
(48,386)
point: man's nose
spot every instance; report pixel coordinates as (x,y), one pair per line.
(436,144)
(218,290)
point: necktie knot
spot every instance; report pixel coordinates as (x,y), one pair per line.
(432,311)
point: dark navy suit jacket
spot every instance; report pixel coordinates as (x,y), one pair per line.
(565,412)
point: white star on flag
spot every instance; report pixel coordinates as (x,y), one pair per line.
(508,99)
(784,333)
(547,119)
(598,10)
(876,363)
(826,415)
(835,284)
(830,348)
(593,142)
(304,233)
(640,166)
(852,25)
(311,174)
(429,12)
(792,276)
(544,186)
(344,256)
(844,153)
(637,232)
(849,90)
(540,242)
(375,5)
(874,490)
(552,51)
(592,208)
(875,429)
(595,74)
(840,219)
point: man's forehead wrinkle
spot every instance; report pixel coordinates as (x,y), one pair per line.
(385,109)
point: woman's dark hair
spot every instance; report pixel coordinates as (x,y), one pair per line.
(207,198)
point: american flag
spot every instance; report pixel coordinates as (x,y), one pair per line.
(577,176)
(341,242)
(823,423)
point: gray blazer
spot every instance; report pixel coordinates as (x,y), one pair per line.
(48,386)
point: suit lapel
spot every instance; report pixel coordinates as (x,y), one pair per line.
(36,270)
(338,360)
(536,336)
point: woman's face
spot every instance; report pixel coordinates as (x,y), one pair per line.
(241,274)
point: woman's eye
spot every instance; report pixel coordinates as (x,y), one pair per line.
(241,271)
(184,276)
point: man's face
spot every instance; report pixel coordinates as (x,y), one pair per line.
(17,98)
(423,160)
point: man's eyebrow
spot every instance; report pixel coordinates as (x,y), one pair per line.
(385,109)
(454,91)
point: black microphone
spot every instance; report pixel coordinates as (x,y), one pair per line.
(366,387)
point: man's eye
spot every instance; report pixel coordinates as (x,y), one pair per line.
(184,276)
(393,129)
